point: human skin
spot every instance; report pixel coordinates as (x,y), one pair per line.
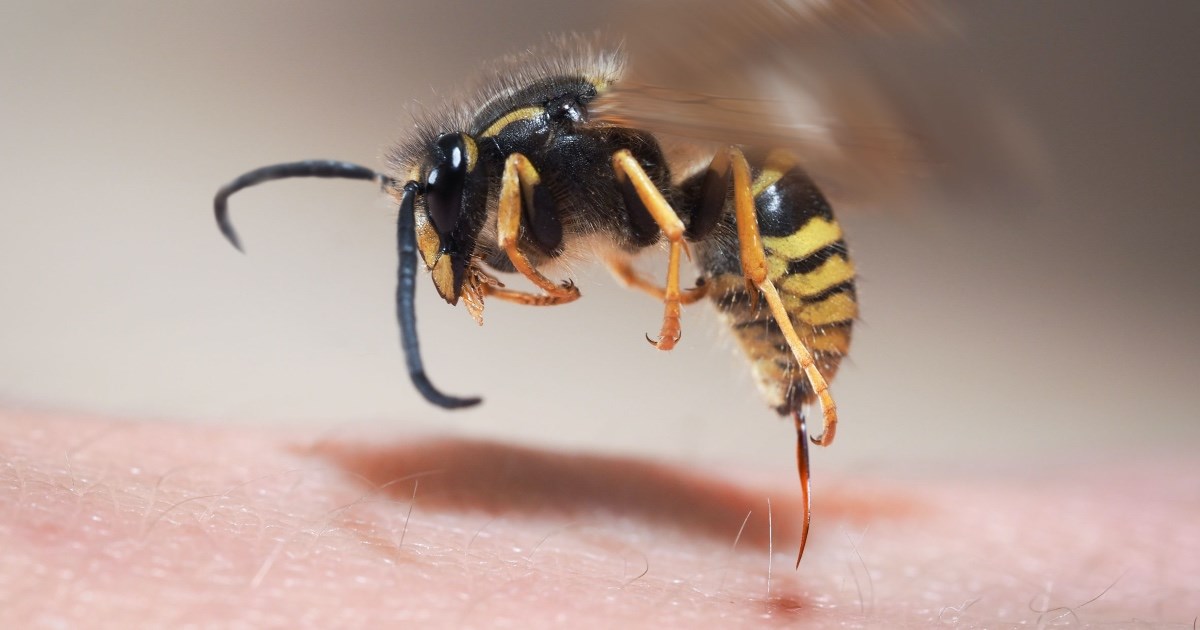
(112,523)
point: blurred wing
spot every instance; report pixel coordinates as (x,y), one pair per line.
(839,154)
(870,95)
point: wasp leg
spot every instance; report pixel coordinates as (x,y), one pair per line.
(525,299)
(671,330)
(754,268)
(624,272)
(480,284)
(629,171)
(487,284)
(518,184)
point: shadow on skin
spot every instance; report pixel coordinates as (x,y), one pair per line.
(500,478)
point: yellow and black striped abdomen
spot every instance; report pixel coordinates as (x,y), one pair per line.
(809,265)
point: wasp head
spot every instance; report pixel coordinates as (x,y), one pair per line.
(450,211)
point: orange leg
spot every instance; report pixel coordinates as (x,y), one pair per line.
(754,268)
(672,329)
(483,283)
(521,297)
(627,168)
(624,272)
(518,180)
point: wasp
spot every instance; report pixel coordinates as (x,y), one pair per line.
(556,156)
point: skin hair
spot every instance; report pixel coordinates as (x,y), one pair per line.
(115,523)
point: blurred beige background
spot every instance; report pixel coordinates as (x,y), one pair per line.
(988,334)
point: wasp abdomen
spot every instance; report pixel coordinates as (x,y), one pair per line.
(808,262)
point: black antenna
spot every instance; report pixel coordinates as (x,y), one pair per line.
(406,312)
(406,240)
(307,168)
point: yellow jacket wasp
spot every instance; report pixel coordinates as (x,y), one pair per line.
(557,154)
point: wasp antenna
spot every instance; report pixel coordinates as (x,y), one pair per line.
(406,240)
(306,168)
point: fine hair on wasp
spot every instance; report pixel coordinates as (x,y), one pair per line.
(543,161)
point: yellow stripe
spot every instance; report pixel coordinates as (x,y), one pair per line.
(776,268)
(802,243)
(833,272)
(765,349)
(528,177)
(777,164)
(835,341)
(472,152)
(524,113)
(428,241)
(443,279)
(838,307)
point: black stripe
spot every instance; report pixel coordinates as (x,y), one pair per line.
(825,328)
(740,298)
(772,326)
(810,263)
(785,207)
(843,287)
(732,299)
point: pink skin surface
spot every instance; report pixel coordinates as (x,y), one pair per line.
(108,523)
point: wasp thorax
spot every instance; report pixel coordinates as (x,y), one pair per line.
(444,183)
(570,107)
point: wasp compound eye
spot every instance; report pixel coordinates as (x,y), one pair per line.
(444,184)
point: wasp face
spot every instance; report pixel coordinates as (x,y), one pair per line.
(451,212)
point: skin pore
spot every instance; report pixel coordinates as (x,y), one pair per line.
(114,523)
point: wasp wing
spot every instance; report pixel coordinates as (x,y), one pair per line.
(872,96)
